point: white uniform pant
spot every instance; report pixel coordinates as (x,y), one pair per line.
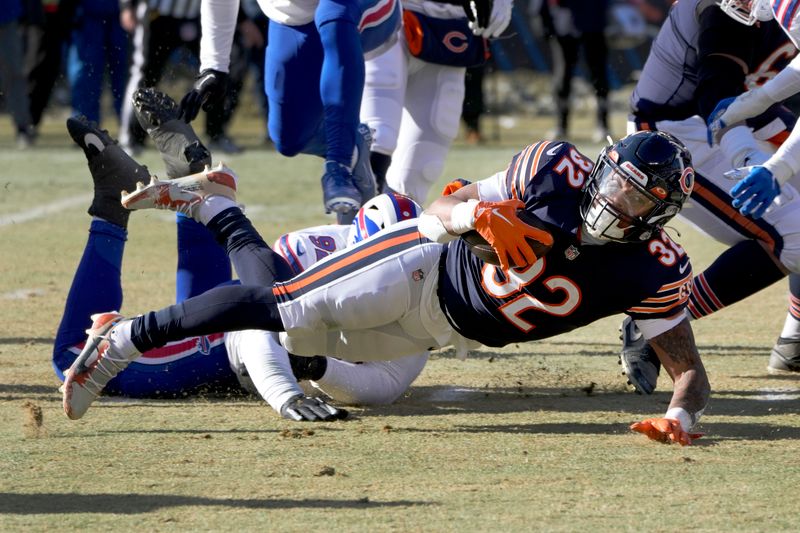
(369,302)
(414,108)
(709,207)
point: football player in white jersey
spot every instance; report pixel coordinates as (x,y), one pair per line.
(314,79)
(257,360)
(262,364)
(414,91)
(766,183)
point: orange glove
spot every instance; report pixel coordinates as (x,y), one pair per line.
(497,222)
(453,186)
(665,430)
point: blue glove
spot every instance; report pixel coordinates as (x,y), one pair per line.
(754,194)
(716,125)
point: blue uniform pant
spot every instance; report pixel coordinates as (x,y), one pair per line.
(315,75)
(98,42)
(177,369)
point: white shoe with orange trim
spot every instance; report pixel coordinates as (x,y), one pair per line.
(97,364)
(183,194)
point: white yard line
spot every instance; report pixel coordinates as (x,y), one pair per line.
(44,210)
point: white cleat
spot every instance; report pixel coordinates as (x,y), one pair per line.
(97,364)
(182,194)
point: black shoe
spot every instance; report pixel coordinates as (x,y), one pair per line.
(638,359)
(785,356)
(113,171)
(180,148)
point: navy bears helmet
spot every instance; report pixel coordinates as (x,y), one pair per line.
(637,185)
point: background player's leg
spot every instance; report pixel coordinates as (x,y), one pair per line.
(433,102)
(293,63)
(740,271)
(785,354)
(382,106)
(96,287)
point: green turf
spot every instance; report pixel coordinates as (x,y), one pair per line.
(531,437)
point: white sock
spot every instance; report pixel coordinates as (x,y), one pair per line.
(791,328)
(210,207)
(120,340)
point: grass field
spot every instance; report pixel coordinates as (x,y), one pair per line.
(532,437)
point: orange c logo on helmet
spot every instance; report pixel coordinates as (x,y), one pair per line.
(687,180)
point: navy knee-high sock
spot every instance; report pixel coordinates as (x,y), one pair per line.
(228,308)
(740,271)
(255,262)
(232,308)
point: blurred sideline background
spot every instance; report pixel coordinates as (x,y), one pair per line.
(517,88)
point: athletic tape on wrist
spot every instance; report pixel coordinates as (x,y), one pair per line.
(462,216)
(681,415)
(433,228)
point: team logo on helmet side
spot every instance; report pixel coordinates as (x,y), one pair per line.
(687,180)
(381,212)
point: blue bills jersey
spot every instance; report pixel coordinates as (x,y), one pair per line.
(575,283)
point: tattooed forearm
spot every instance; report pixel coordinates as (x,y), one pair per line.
(678,354)
(678,345)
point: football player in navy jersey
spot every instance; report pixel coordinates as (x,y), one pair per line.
(699,57)
(416,285)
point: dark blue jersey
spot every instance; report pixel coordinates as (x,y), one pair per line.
(575,283)
(700,56)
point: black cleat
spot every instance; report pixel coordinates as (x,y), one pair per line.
(638,359)
(180,148)
(785,356)
(112,169)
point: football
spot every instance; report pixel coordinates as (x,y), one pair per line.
(483,250)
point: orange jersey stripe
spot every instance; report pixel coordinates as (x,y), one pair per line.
(729,211)
(292,286)
(653,310)
(519,169)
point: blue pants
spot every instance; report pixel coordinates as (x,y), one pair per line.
(315,75)
(175,370)
(98,42)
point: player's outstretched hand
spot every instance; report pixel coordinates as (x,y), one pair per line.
(499,18)
(497,222)
(756,190)
(665,430)
(209,87)
(302,408)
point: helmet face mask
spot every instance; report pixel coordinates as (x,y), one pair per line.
(381,212)
(637,185)
(747,12)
